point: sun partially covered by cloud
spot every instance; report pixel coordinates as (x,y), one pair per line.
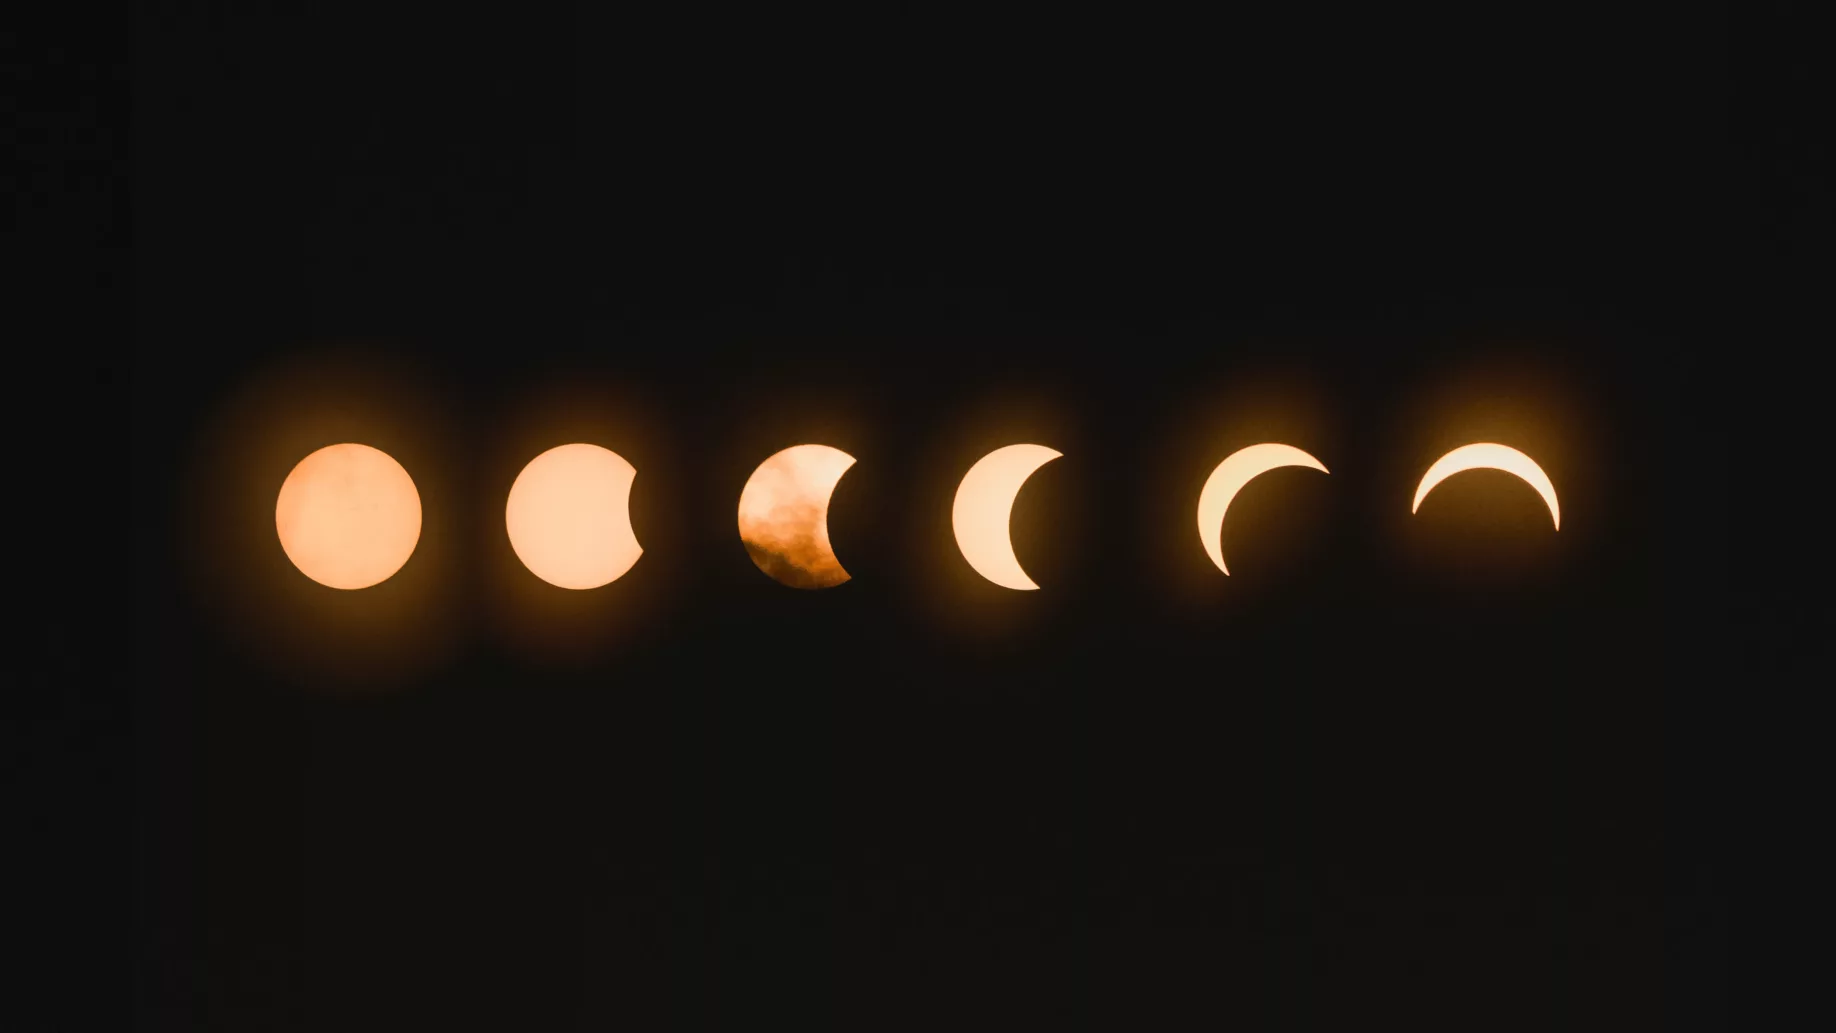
(784,515)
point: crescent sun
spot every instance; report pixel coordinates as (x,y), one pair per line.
(1238,469)
(1488,456)
(984,503)
(784,515)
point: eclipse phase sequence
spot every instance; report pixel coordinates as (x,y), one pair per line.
(348,515)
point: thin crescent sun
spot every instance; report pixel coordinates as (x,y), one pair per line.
(1230,476)
(1486,455)
(985,501)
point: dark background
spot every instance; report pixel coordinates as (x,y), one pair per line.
(1436,768)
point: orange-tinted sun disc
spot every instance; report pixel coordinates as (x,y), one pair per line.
(784,515)
(348,516)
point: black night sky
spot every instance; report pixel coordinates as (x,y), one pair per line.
(1393,769)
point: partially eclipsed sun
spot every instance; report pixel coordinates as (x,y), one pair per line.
(569,518)
(1237,470)
(1488,456)
(784,515)
(984,503)
(348,516)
